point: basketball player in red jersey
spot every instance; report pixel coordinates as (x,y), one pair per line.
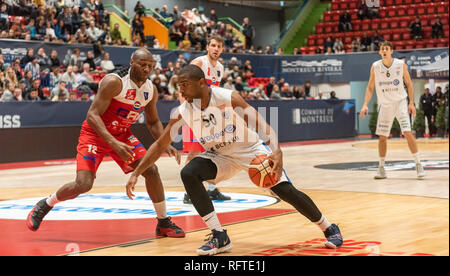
(213,71)
(106,130)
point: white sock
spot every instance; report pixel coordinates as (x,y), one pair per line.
(416,157)
(323,223)
(381,163)
(160,209)
(212,221)
(52,200)
(211,187)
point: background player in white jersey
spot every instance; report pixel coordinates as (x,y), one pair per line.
(213,71)
(223,122)
(388,75)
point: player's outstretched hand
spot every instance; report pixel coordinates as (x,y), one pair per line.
(277,168)
(364,111)
(131,184)
(171,151)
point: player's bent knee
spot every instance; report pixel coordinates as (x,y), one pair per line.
(151,171)
(83,186)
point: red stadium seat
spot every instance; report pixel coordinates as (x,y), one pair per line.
(319,28)
(328,28)
(417,1)
(394,23)
(334,6)
(420,44)
(387,35)
(444,19)
(343,5)
(304,50)
(431,8)
(392,11)
(352,5)
(446,31)
(335,16)
(427,31)
(442,42)
(312,50)
(404,22)
(348,48)
(410,44)
(365,25)
(442,7)
(356,25)
(398,2)
(327,16)
(429,44)
(375,23)
(411,11)
(421,9)
(407,2)
(406,35)
(387,3)
(311,40)
(382,12)
(397,35)
(401,11)
(320,39)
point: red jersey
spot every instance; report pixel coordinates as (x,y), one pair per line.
(125,108)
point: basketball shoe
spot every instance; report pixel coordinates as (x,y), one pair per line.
(166,228)
(217,195)
(37,214)
(219,243)
(334,237)
(420,171)
(381,173)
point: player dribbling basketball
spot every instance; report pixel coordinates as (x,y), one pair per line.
(223,122)
(387,75)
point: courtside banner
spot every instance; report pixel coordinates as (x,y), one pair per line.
(292,120)
(295,69)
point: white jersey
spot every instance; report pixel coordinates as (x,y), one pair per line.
(213,74)
(389,82)
(218,128)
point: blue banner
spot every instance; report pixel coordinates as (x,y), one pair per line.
(295,69)
(292,120)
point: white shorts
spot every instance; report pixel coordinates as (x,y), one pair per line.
(386,115)
(229,166)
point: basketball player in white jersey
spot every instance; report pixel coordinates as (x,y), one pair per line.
(223,121)
(388,75)
(213,71)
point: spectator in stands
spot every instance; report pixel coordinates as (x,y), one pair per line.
(363,10)
(17,69)
(82,35)
(86,16)
(33,95)
(55,77)
(328,43)
(70,78)
(270,85)
(416,29)
(116,36)
(90,60)
(107,64)
(286,92)
(4,18)
(376,40)
(85,97)
(319,96)
(32,30)
(307,88)
(61,31)
(345,22)
(43,59)
(366,41)
(426,103)
(356,44)
(54,60)
(58,90)
(182,60)
(49,31)
(41,28)
(139,9)
(337,42)
(275,93)
(299,92)
(296,52)
(66,17)
(333,96)
(213,16)
(76,18)
(73,97)
(36,84)
(85,76)
(7,93)
(318,51)
(95,33)
(437,30)
(34,67)
(249,32)
(10,76)
(137,26)
(17,95)
(239,85)
(27,58)
(28,78)
(229,84)
(45,78)
(329,51)
(339,50)
(75,58)
(173,87)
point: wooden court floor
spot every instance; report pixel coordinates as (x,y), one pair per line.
(400,215)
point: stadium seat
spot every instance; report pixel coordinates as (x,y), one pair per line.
(404,22)
(446,31)
(312,50)
(407,2)
(417,1)
(387,35)
(444,19)
(347,38)
(411,11)
(356,25)
(392,11)
(420,44)
(343,5)
(348,48)
(442,7)
(406,35)
(401,11)
(335,16)
(353,5)
(397,34)
(442,42)
(320,39)
(384,23)
(375,23)
(382,12)
(427,31)
(431,8)
(387,3)
(304,50)
(319,28)
(410,44)
(327,16)
(311,40)
(334,6)
(394,23)
(397,2)
(365,25)
(421,9)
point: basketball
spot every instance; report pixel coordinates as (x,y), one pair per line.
(259,172)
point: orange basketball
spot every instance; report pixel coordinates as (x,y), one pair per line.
(259,172)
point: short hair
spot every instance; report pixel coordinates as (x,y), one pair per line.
(386,43)
(216,38)
(193,72)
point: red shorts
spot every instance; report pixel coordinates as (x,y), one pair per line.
(189,141)
(92,149)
